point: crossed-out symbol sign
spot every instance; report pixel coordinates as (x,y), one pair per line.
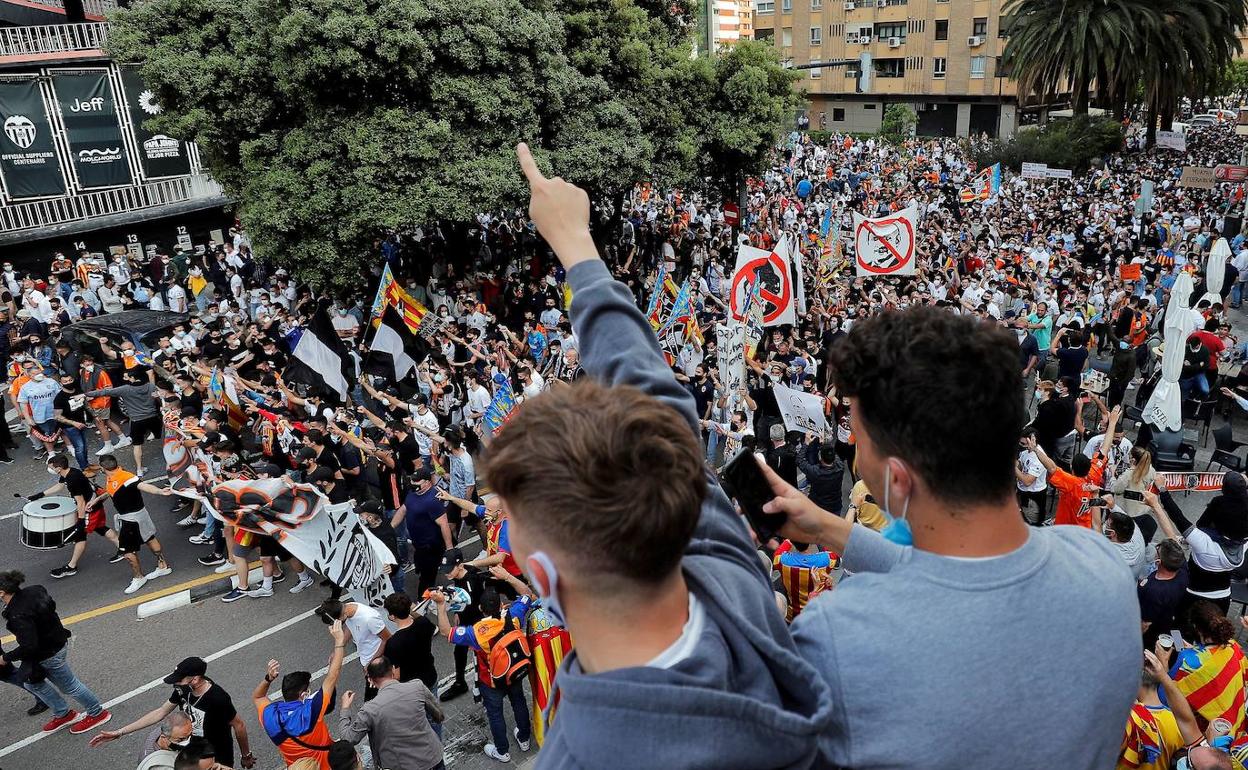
(775,289)
(884,246)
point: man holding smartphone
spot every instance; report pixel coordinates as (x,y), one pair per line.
(957,575)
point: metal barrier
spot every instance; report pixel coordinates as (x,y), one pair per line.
(52,38)
(56,211)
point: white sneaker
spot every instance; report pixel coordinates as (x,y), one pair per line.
(224,569)
(190,521)
(302,585)
(524,745)
(107,448)
(122,441)
(492,753)
(260,592)
(199,539)
(136,584)
(140,471)
(159,572)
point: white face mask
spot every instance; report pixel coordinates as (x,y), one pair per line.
(53,471)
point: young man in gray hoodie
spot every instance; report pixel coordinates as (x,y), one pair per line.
(681,656)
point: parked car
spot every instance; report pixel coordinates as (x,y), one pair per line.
(142,327)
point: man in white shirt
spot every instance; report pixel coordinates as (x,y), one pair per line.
(1119,456)
(423,419)
(177,298)
(1033,481)
(478,399)
(35,301)
(365,626)
(345,324)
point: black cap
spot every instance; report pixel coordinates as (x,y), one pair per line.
(370,506)
(188,667)
(452,558)
(266,469)
(306,453)
(421,474)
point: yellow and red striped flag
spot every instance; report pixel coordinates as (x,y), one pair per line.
(549,643)
(1212,679)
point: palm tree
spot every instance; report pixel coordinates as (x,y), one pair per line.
(1077,42)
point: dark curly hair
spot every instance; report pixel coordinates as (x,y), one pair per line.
(1210,625)
(941,392)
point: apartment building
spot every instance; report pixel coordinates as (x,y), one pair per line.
(723,22)
(942,57)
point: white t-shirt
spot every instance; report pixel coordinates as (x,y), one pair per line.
(478,401)
(1030,464)
(366,626)
(688,640)
(428,421)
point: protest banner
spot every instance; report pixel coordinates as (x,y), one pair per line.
(1198,177)
(1174,140)
(771,272)
(1189,482)
(885,245)
(801,411)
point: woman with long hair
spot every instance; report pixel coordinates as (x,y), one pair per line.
(1129,487)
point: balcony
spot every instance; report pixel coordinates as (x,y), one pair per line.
(165,196)
(52,42)
(96,9)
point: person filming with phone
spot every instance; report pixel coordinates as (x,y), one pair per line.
(957,575)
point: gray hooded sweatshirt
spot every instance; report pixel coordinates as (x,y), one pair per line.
(744,699)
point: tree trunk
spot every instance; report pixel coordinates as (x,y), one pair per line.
(1150,135)
(1167,117)
(1079,96)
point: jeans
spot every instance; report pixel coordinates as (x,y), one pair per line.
(492,698)
(60,674)
(78,441)
(201,300)
(210,525)
(712,445)
(1200,382)
(1237,293)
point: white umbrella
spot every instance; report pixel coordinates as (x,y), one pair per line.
(1165,406)
(1215,270)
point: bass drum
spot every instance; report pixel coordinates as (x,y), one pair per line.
(48,523)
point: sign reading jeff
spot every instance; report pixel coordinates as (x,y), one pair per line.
(89,111)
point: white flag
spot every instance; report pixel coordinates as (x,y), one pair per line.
(886,245)
(730,339)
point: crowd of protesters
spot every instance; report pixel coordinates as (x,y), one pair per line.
(1038,264)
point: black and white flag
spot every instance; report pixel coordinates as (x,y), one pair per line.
(394,351)
(322,360)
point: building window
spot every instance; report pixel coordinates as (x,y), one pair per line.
(942,29)
(885,31)
(816,5)
(890,68)
(838,114)
(979,26)
(816,73)
(816,35)
(765,6)
(765,34)
(938,68)
(786,6)
(1001,31)
(868,106)
(786,37)
(977,66)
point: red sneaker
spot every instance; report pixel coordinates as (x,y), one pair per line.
(89,723)
(59,722)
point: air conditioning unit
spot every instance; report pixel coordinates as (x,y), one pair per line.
(881,3)
(894,42)
(974,41)
(849,5)
(864,40)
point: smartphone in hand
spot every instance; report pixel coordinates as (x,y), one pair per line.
(744,481)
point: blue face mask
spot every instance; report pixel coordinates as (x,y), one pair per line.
(550,601)
(898,529)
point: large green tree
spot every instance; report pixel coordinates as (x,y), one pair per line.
(334,121)
(1159,51)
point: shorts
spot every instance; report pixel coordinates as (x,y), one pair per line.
(134,531)
(103,413)
(94,522)
(47,431)
(270,548)
(140,430)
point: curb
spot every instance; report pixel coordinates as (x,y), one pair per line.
(197,594)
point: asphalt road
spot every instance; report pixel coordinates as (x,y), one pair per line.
(123,659)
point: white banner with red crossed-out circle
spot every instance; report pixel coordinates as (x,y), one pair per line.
(885,245)
(773,271)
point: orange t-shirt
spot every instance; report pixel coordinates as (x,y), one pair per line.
(1075,492)
(316,707)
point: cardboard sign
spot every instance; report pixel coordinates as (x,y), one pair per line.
(1129,272)
(1198,177)
(1035,170)
(1174,140)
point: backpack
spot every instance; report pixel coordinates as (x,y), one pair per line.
(510,657)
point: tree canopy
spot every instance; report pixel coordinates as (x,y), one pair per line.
(333,122)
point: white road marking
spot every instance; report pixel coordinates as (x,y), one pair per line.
(7,750)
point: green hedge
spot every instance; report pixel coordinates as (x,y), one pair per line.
(1072,144)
